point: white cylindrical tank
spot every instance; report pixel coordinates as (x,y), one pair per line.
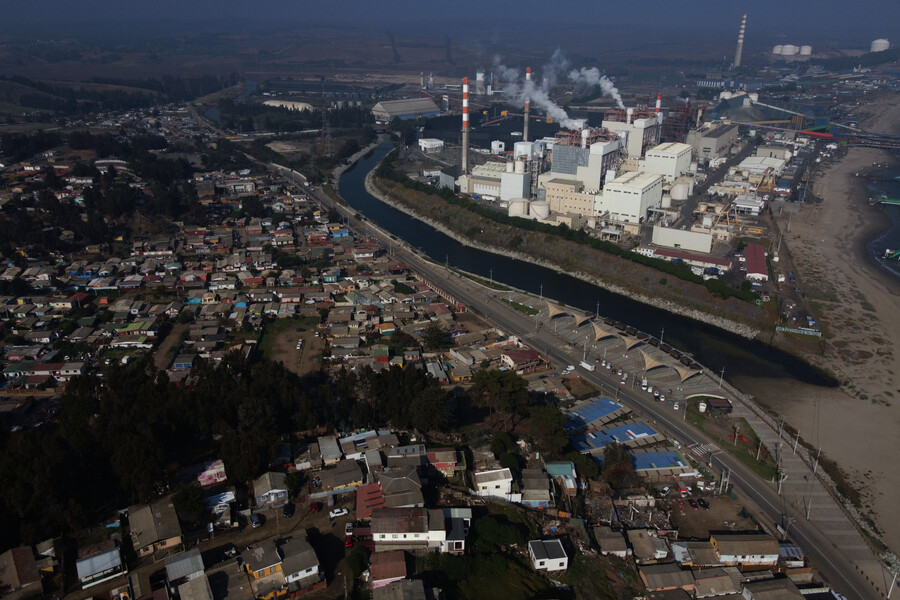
(518,207)
(778,49)
(666,202)
(805,50)
(520,166)
(630,114)
(789,50)
(510,167)
(523,149)
(680,192)
(879,45)
(540,210)
(702,407)
(498,147)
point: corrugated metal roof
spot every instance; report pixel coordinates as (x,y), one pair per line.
(98,563)
(184,564)
(411,106)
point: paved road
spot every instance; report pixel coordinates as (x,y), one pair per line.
(833,564)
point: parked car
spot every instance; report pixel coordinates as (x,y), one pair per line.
(693,503)
(348,541)
(680,503)
(255,520)
(703,503)
(315,507)
(288,510)
(338,512)
(348,529)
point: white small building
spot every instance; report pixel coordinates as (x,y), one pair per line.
(748,204)
(428,145)
(497,482)
(548,555)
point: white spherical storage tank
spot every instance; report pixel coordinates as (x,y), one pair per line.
(778,49)
(518,207)
(680,192)
(540,209)
(805,50)
(879,45)
(789,50)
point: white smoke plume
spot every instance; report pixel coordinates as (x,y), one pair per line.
(516,90)
(592,77)
(552,71)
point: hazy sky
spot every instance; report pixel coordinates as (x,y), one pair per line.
(882,17)
(868,18)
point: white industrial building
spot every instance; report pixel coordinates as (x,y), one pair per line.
(639,130)
(671,160)
(412,108)
(628,197)
(515,182)
(712,142)
(679,238)
(748,204)
(431,145)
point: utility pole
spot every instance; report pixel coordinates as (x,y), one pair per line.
(542,291)
(598,309)
(492,275)
(661,334)
(796,441)
(721,377)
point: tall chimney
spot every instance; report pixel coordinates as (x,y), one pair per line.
(658,103)
(740,46)
(629,114)
(527,103)
(465,127)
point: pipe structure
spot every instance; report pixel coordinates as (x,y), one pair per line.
(527,103)
(740,44)
(465,126)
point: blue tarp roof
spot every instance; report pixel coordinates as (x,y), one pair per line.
(590,412)
(657,460)
(618,434)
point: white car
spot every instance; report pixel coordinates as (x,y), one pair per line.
(675,406)
(338,512)
(348,529)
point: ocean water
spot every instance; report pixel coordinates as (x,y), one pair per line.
(886,183)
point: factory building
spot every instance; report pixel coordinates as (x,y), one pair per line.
(640,127)
(712,142)
(506,181)
(670,160)
(627,198)
(569,196)
(585,156)
(412,108)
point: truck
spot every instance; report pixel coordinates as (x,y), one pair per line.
(587,366)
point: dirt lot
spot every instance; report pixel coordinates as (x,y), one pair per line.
(723,514)
(280,344)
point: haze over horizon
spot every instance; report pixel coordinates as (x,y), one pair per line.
(865,20)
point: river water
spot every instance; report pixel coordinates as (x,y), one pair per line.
(710,346)
(886,183)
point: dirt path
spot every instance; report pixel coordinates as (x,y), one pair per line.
(164,356)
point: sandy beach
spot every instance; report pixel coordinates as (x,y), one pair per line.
(859,306)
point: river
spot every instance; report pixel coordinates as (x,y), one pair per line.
(712,347)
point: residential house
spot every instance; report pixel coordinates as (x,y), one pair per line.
(443,460)
(417,530)
(781,588)
(457,522)
(407,456)
(746,551)
(270,489)
(404,589)
(346,475)
(184,566)
(197,588)
(19,575)
(261,560)
(669,576)
(497,482)
(716,582)
(330,450)
(523,361)
(98,564)
(387,567)
(300,565)
(610,542)
(536,491)
(401,488)
(548,555)
(154,527)
(646,546)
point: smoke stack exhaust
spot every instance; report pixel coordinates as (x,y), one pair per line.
(527,104)
(465,126)
(740,44)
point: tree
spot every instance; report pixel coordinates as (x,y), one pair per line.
(618,469)
(189,504)
(358,560)
(436,337)
(546,427)
(501,391)
(294,482)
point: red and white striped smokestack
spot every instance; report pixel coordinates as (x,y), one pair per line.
(465,126)
(527,103)
(658,102)
(740,46)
